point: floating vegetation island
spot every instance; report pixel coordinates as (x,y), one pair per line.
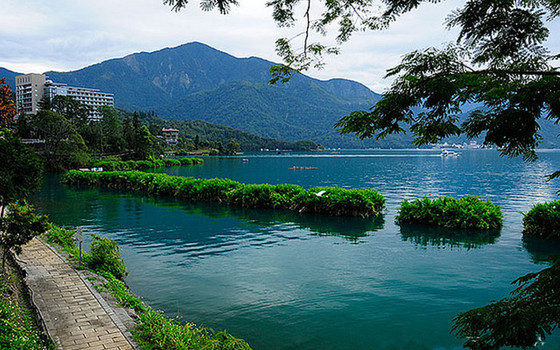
(111,165)
(543,220)
(333,201)
(464,213)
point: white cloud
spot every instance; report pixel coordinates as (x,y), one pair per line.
(38,36)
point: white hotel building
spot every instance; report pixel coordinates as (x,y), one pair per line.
(30,88)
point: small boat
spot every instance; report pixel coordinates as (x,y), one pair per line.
(448,153)
(245,160)
(303,168)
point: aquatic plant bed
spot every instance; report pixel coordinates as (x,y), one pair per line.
(464,213)
(543,220)
(333,201)
(111,165)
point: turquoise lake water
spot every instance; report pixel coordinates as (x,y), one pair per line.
(282,280)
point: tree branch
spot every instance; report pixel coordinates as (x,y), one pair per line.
(308,19)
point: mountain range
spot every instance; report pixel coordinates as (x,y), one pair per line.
(197,82)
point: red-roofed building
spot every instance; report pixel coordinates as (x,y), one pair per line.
(171,136)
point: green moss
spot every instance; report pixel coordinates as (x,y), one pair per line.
(333,201)
(543,220)
(465,213)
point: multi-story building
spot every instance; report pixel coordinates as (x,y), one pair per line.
(29,91)
(91,97)
(171,136)
(30,88)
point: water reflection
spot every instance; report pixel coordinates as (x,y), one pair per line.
(423,236)
(182,221)
(541,249)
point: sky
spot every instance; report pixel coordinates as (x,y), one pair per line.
(38,36)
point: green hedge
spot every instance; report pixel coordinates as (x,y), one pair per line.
(324,200)
(114,165)
(543,220)
(466,213)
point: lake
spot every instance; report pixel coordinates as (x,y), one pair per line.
(283,280)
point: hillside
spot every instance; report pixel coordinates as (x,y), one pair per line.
(190,129)
(197,82)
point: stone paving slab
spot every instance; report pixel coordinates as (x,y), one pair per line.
(76,316)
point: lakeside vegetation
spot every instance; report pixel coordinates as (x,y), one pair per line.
(111,165)
(323,200)
(464,213)
(65,137)
(543,220)
(155,331)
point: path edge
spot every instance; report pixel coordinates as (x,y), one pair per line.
(106,307)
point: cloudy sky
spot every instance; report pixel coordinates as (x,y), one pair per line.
(37,35)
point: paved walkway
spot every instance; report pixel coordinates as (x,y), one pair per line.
(75,315)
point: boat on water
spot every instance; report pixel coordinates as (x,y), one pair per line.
(448,153)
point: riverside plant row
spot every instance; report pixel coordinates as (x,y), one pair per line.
(334,201)
(465,213)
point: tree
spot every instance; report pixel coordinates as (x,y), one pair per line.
(500,63)
(19,227)
(74,111)
(64,147)
(110,130)
(20,173)
(232,147)
(7,106)
(144,144)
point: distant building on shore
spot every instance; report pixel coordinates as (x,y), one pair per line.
(171,136)
(31,88)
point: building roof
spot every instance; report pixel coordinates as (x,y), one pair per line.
(164,129)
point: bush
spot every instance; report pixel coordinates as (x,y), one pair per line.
(338,201)
(264,196)
(18,227)
(324,200)
(105,256)
(465,213)
(543,220)
(62,237)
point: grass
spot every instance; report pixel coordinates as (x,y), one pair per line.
(543,220)
(464,213)
(155,331)
(334,201)
(18,326)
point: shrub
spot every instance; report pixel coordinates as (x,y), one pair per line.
(105,256)
(543,220)
(62,237)
(466,213)
(264,196)
(19,227)
(340,201)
